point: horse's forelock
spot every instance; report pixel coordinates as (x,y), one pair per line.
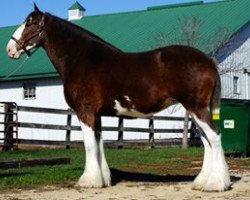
(35,16)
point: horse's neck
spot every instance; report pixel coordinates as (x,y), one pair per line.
(65,45)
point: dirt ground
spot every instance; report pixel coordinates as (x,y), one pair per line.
(136,190)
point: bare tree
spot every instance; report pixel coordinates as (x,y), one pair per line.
(190,32)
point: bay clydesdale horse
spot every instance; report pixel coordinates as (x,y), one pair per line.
(100,79)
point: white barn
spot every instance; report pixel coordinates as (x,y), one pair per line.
(235,66)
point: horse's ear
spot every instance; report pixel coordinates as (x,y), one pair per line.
(36,9)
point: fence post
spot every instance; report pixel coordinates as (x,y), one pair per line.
(68,131)
(151,133)
(120,132)
(8,128)
(185,131)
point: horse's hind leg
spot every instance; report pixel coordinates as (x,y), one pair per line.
(214,175)
(201,179)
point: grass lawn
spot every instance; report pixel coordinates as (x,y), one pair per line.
(134,165)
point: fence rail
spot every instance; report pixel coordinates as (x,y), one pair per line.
(32,163)
(68,127)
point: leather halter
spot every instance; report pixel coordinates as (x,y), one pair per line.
(22,44)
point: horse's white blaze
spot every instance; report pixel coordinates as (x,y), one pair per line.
(214,174)
(11,46)
(96,173)
(132,112)
(19,31)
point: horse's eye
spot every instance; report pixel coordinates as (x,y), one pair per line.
(29,21)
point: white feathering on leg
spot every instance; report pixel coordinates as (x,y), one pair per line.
(219,178)
(104,165)
(201,179)
(92,176)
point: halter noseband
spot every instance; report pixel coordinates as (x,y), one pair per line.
(22,44)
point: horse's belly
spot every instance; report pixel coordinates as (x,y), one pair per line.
(131,111)
(169,102)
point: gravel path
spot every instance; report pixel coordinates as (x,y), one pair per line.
(136,190)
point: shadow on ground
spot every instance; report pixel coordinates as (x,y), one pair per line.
(120,176)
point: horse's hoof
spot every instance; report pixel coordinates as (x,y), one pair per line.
(85,184)
(89,182)
(197,187)
(216,187)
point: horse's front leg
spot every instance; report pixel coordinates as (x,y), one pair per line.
(96,172)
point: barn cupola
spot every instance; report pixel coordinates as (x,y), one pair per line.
(76,11)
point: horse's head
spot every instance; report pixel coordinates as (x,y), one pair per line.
(28,35)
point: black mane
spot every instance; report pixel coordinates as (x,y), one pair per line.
(68,25)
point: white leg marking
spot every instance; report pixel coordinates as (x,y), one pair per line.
(92,176)
(218,178)
(96,173)
(201,179)
(104,165)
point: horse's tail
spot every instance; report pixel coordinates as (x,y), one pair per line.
(215,100)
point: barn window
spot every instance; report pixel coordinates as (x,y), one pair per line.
(29,91)
(236,85)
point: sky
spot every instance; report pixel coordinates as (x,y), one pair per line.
(14,12)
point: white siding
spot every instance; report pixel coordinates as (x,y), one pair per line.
(237,63)
(75,14)
(49,94)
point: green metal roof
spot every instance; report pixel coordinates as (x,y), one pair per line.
(77,5)
(175,5)
(141,31)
